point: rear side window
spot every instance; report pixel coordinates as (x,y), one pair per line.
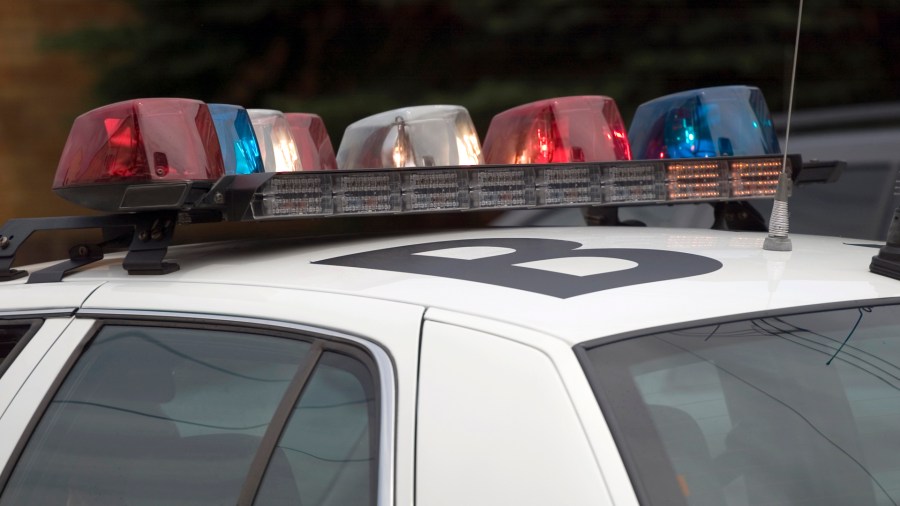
(161,415)
(14,335)
(794,409)
(327,451)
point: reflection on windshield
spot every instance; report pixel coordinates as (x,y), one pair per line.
(795,409)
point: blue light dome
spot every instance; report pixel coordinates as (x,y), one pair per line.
(719,121)
(240,150)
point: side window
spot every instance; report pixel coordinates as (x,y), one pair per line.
(160,415)
(14,336)
(327,452)
(790,409)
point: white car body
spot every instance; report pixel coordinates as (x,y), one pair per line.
(483,399)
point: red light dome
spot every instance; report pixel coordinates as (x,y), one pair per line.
(558,130)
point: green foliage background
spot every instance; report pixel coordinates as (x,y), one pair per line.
(347,59)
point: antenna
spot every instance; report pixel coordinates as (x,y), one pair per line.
(778,239)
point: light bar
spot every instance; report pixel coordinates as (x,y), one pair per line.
(718,121)
(422,136)
(616,183)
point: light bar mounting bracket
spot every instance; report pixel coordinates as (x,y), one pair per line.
(146,235)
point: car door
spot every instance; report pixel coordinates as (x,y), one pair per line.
(174,392)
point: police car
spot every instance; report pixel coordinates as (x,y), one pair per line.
(572,365)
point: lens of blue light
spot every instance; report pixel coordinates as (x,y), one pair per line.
(720,121)
(240,150)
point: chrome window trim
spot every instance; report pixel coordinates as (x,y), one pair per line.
(35,313)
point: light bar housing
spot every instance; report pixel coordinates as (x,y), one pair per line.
(501,187)
(357,193)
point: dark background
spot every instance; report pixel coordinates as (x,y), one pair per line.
(346,60)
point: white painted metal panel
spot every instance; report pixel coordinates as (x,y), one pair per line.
(819,270)
(16,296)
(21,368)
(497,426)
(561,354)
(31,393)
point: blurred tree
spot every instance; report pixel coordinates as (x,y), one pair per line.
(345,60)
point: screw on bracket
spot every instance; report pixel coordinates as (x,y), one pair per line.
(160,230)
(4,242)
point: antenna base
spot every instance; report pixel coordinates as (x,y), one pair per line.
(774,243)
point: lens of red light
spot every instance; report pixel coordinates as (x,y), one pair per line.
(558,130)
(166,139)
(313,142)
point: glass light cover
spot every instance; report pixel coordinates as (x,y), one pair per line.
(634,183)
(696,179)
(434,190)
(430,189)
(279,152)
(367,192)
(423,136)
(558,130)
(153,139)
(719,121)
(240,151)
(293,194)
(499,187)
(312,140)
(754,178)
(567,185)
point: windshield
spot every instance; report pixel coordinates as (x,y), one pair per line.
(762,411)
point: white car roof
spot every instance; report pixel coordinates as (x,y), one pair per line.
(584,284)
